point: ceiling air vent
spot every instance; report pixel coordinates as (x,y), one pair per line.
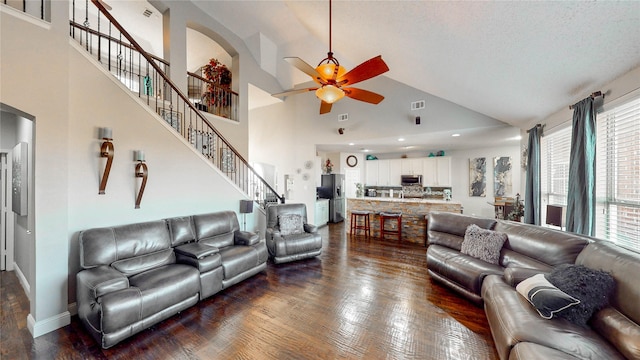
(417,105)
(343,117)
(147,12)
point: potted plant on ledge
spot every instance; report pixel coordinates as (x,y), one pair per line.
(219,85)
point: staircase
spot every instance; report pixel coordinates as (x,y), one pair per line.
(146,76)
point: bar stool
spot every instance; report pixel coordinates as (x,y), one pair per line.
(391,216)
(360,215)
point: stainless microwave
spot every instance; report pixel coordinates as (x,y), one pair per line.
(407,180)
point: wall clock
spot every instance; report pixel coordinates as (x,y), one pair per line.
(352,161)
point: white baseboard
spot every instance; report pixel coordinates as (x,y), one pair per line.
(23,280)
(47,325)
(73,308)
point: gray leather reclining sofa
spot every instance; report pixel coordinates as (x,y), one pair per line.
(518,330)
(137,275)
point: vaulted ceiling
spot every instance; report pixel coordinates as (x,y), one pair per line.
(514,61)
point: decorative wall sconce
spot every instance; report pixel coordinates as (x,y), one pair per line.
(106,151)
(141,172)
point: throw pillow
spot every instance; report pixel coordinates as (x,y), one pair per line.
(290,224)
(483,244)
(592,287)
(546,298)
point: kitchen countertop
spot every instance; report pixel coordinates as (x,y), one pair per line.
(414,213)
(406,200)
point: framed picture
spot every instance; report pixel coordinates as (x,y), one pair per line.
(502,184)
(19,179)
(172,118)
(477,177)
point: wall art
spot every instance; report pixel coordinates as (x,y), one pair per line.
(477,177)
(502,183)
(19,181)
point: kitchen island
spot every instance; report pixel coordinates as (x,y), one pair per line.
(414,224)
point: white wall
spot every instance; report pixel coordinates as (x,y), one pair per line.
(460,174)
(180,181)
(69,98)
(34,79)
(614,90)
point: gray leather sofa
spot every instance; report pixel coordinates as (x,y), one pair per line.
(518,330)
(527,246)
(134,276)
(305,243)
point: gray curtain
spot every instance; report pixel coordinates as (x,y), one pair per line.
(532,192)
(581,195)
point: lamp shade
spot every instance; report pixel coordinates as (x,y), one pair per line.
(327,70)
(329,94)
(246,206)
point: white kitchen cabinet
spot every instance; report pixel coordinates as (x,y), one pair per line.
(371,172)
(436,171)
(444,170)
(322,212)
(412,166)
(395,172)
(383,172)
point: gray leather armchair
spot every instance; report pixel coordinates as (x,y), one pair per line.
(285,246)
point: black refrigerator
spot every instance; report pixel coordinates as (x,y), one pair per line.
(333,185)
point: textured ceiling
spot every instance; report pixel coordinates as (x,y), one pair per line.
(514,61)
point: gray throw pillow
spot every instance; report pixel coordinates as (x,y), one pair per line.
(592,287)
(483,244)
(290,224)
(546,298)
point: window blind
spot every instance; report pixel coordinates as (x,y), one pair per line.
(555,152)
(618,175)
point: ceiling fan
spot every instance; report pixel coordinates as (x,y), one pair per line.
(334,80)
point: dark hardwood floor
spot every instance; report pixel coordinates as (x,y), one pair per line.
(362,299)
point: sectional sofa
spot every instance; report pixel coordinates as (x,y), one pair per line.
(134,276)
(518,330)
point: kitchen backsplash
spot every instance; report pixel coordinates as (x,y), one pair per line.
(385,191)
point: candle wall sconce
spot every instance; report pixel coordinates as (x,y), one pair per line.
(141,172)
(106,151)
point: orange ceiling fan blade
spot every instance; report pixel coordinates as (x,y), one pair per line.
(325,107)
(363,95)
(293,92)
(305,68)
(368,69)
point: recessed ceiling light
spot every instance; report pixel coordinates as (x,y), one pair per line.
(351,144)
(455,135)
(401,139)
(365,150)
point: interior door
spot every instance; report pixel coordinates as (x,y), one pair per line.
(6,214)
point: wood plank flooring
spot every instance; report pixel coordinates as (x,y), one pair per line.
(361,299)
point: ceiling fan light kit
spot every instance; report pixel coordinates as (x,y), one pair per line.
(329,94)
(332,77)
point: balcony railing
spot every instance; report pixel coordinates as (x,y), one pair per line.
(212,98)
(146,76)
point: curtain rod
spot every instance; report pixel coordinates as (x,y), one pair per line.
(541,126)
(593,96)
